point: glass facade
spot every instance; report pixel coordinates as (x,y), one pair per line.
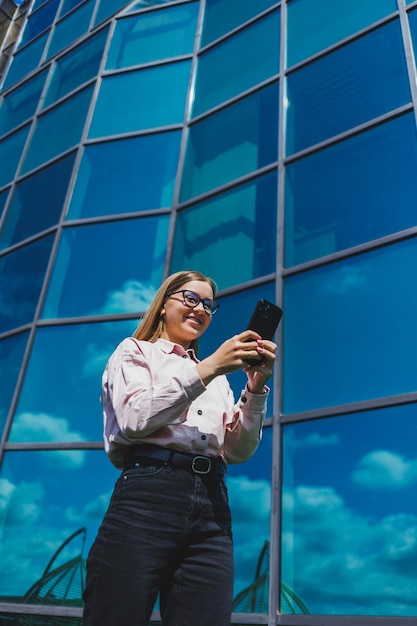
(273,146)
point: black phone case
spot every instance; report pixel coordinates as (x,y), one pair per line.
(264,320)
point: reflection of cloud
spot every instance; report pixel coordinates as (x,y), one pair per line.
(134,296)
(345,279)
(313,440)
(94,511)
(338,560)
(95,359)
(43,427)
(383,469)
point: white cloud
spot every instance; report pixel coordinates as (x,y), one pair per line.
(134,296)
(382,469)
(313,440)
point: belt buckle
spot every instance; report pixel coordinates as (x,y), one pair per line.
(201,470)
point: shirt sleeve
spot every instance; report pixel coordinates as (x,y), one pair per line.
(244,431)
(136,402)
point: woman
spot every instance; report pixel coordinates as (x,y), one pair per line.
(171,425)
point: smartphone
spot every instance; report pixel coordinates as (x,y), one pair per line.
(264,320)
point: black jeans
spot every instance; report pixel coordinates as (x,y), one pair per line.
(168,531)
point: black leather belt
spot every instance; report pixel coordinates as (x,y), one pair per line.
(149,454)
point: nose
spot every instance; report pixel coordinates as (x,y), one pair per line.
(199,306)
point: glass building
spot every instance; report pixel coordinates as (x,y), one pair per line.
(272,146)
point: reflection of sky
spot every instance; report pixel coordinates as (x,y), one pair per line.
(350,512)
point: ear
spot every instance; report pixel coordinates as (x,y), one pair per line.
(162,314)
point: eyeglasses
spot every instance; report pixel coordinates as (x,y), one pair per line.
(192,299)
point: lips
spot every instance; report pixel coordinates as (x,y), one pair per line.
(195,320)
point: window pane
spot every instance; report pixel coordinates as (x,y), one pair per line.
(314,26)
(21,104)
(235,141)
(145,99)
(10,153)
(37,202)
(213,234)
(76,68)
(107,8)
(39,21)
(47,497)
(111,174)
(348,87)
(412,17)
(346,324)
(58,130)
(3,199)
(46,411)
(222,16)
(11,355)
(153,36)
(349,512)
(337,198)
(237,64)
(25,61)
(70,28)
(108,268)
(68,5)
(21,276)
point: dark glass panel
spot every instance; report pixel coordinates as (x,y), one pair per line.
(68,5)
(71,27)
(350,329)
(25,61)
(312,26)
(153,36)
(108,268)
(76,68)
(3,200)
(47,496)
(232,235)
(107,8)
(232,318)
(11,354)
(47,410)
(412,17)
(338,198)
(21,276)
(39,21)
(349,512)
(235,141)
(238,63)
(221,17)
(37,202)
(10,153)
(58,130)
(21,104)
(126,175)
(147,98)
(350,86)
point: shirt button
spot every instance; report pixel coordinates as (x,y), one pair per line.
(199,412)
(185,356)
(203,437)
(244,399)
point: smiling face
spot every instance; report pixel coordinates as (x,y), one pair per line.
(182,324)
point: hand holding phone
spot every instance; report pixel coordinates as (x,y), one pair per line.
(264,320)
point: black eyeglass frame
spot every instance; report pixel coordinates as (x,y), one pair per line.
(208,303)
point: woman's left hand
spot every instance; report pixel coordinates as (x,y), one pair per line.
(259,374)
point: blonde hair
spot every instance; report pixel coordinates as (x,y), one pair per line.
(151,326)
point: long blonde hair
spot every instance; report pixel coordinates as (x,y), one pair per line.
(151,326)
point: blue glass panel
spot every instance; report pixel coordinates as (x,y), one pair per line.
(232,318)
(212,235)
(39,20)
(25,61)
(348,87)
(144,99)
(68,5)
(144,4)
(3,199)
(11,354)
(346,324)
(221,17)
(10,153)
(70,28)
(46,411)
(153,36)
(21,104)
(37,202)
(337,198)
(21,276)
(107,8)
(412,17)
(237,64)
(233,142)
(49,496)
(76,68)
(114,267)
(314,26)
(58,130)
(111,174)
(349,513)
